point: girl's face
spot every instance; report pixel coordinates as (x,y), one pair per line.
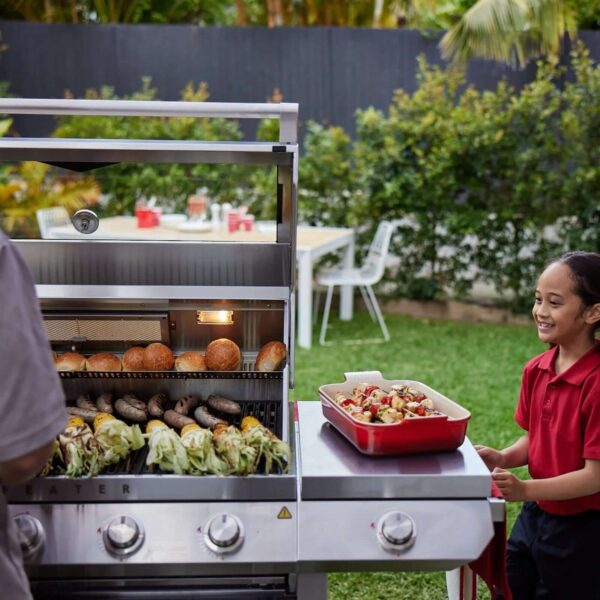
(557,310)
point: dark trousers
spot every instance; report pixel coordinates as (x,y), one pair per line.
(554,557)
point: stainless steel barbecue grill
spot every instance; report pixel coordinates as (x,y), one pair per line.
(136,533)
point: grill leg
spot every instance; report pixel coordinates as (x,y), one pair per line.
(312,586)
(461,584)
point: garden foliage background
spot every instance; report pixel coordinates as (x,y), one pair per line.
(487,185)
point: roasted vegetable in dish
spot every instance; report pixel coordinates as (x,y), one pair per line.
(117,439)
(201,452)
(267,444)
(166,449)
(81,452)
(232,446)
(372,404)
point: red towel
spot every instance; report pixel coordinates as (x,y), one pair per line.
(491,565)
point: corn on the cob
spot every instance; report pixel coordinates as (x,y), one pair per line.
(102,417)
(202,456)
(267,444)
(165,448)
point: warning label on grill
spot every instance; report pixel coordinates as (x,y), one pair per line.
(284,513)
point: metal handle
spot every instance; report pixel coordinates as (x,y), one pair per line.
(285,112)
(361,376)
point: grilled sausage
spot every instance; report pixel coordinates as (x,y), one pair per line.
(224,405)
(205,419)
(87,415)
(84,402)
(176,420)
(156,405)
(104,403)
(135,402)
(185,405)
(123,408)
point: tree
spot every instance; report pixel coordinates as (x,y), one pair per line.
(510,31)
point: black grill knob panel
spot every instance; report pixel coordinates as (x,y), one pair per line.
(31,535)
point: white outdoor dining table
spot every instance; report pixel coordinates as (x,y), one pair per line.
(311,244)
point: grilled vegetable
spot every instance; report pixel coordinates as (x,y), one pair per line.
(205,419)
(123,408)
(83,413)
(165,448)
(80,449)
(267,444)
(116,438)
(176,420)
(185,405)
(201,453)
(84,402)
(156,405)
(104,403)
(224,405)
(232,446)
(55,460)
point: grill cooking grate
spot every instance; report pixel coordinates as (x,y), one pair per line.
(268,413)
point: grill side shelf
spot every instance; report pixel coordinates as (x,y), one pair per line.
(273,375)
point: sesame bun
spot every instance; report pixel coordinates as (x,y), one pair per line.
(133,359)
(103,361)
(223,355)
(158,357)
(270,357)
(70,361)
(190,361)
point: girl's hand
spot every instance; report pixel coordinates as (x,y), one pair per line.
(492,458)
(512,488)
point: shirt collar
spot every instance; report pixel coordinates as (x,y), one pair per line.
(576,373)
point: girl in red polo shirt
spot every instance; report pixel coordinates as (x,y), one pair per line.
(554,547)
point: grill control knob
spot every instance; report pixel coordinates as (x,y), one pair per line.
(396,531)
(31,535)
(123,536)
(224,533)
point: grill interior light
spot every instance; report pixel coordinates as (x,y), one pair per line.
(215,317)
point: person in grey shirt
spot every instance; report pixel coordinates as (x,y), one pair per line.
(32,403)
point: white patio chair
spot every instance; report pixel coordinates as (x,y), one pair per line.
(48,218)
(364,277)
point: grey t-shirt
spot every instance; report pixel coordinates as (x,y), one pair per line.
(32,401)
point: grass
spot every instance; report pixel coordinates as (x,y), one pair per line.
(477,365)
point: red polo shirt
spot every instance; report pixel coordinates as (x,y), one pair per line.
(562,415)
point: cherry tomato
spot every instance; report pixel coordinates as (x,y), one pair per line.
(374,408)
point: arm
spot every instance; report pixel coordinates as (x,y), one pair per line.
(513,456)
(22,468)
(583,482)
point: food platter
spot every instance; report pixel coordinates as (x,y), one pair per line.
(445,429)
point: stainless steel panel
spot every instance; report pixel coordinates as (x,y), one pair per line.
(331,468)
(131,263)
(174,541)
(63,150)
(342,536)
(286,112)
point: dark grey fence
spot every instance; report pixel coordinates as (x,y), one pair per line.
(331,72)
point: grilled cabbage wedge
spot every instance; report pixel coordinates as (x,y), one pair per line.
(80,449)
(201,452)
(232,447)
(116,438)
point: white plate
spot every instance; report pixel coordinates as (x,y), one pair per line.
(197,226)
(173,219)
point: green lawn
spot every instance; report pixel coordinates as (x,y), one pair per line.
(477,365)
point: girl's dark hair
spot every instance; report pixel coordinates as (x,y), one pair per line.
(585,269)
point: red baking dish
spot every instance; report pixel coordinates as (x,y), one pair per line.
(426,434)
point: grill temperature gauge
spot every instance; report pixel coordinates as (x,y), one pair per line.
(224,533)
(123,536)
(396,531)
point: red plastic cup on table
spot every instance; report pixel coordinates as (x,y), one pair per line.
(233,221)
(146,217)
(247,222)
